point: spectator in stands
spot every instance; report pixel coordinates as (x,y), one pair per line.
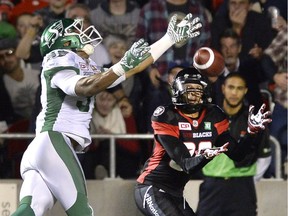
(228,187)
(7,115)
(78,10)
(27,27)
(54,11)
(7,30)
(26,7)
(230,48)
(20,82)
(116,17)
(117,46)
(248,24)
(107,119)
(92,4)
(154,18)
(274,62)
(6,8)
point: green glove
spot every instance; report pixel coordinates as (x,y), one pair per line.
(185,29)
(138,52)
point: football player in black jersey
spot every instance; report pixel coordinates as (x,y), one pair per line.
(187,135)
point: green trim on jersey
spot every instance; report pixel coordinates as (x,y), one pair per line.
(69,159)
(55,97)
(223,166)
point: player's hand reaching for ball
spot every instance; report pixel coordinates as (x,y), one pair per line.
(210,153)
(258,122)
(138,52)
(187,28)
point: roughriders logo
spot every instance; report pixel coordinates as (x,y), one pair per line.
(149,202)
(54,32)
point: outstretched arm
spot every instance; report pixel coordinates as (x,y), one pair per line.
(140,56)
(185,29)
(237,150)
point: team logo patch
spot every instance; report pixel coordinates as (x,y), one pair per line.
(83,66)
(184,126)
(195,123)
(207,125)
(159,111)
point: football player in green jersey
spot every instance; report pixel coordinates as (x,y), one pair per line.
(70,80)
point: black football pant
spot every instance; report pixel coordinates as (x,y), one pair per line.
(152,201)
(227,197)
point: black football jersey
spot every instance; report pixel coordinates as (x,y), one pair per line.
(177,141)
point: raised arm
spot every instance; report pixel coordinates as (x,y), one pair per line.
(140,56)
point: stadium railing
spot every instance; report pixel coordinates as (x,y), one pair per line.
(113,137)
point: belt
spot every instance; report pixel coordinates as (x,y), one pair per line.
(228,178)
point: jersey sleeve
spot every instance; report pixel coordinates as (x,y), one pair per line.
(62,67)
(66,80)
(163,122)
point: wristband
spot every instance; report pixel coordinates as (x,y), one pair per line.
(118,70)
(160,46)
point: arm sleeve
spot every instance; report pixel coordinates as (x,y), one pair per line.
(66,80)
(178,152)
(237,151)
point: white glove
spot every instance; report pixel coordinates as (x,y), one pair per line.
(138,52)
(210,153)
(257,122)
(185,29)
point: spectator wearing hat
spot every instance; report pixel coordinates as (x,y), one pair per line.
(7,30)
(6,7)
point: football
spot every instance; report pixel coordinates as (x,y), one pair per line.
(209,62)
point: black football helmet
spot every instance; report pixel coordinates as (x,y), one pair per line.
(180,92)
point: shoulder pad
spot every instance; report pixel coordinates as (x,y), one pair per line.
(163,114)
(60,58)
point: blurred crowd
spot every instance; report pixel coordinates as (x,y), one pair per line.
(250,34)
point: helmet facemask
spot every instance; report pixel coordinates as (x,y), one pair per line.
(69,34)
(89,37)
(183,92)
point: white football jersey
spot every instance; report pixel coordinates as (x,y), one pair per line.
(62,109)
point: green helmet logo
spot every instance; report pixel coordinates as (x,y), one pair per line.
(68,34)
(54,32)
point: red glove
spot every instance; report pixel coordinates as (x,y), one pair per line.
(210,153)
(258,122)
